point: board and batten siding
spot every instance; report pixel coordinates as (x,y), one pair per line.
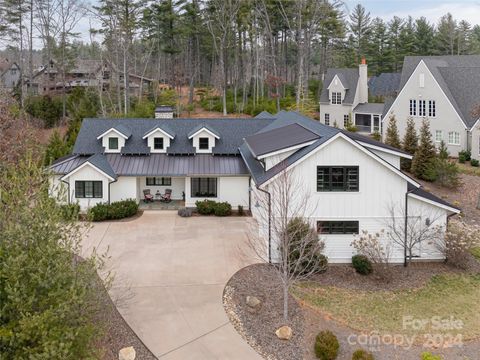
(123,189)
(476,141)
(446,118)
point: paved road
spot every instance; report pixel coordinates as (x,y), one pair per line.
(170,273)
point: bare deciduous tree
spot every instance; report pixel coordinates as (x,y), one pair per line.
(294,247)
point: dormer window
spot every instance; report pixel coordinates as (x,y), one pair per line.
(336,98)
(158,143)
(203,143)
(113,143)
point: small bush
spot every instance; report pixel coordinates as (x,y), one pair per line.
(474,162)
(464,155)
(241,212)
(430,356)
(361,354)
(326,345)
(185,212)
(361,264)
(205,207)
(460,240)
(70,211)
(222,209)
(376,136)
(113,211)
(443,172)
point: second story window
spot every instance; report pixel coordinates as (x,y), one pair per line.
(113,143)
(158,143)
(413,107)
(203,143)
(337,178)
(327,119)
(431,108)
(422,108)
(336,98)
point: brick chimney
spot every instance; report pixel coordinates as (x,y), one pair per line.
(363,81)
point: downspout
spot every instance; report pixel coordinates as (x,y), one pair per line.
(109,183)
(405,263)
(68,186)
(269,223)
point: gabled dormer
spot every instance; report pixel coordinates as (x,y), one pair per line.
(336,90)
(158,138)
(113,140)
(203,139)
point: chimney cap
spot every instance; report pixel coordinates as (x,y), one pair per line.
(363,61)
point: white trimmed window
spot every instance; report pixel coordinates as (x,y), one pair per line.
(336,98)
(346,120)
(438,135)
(327,119)
(453,138)
(422,109)
(432,111)
(413,107)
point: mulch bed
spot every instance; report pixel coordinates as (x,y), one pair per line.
(258,328)
(117,333)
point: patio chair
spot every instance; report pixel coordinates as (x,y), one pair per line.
(147,197)
(167,197)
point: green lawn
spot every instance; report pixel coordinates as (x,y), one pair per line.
(444,296)
(476,252)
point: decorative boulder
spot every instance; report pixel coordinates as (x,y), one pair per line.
(127,353)
(284,333)
(253,302)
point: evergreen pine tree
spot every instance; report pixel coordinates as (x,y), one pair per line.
(392,137)
(410,144)
(425,155)
(56,148)
(443,151)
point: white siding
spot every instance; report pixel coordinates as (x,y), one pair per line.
(232,189)
(271,161)
(124,188)
(446,117)
(336,112)
(112,134)
(476,142)
(166,142)
(178,187)
(391,158)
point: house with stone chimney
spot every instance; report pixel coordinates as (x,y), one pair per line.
(344,100)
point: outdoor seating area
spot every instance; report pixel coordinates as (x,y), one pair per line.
(161,205)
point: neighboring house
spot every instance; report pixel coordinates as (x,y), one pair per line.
(164,112)
(445,90)
(344,99)
(352,178)
(9,74)
(384,85)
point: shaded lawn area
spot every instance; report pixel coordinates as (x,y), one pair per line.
(383,311)
(476,252)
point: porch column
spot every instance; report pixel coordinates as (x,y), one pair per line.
(371,124)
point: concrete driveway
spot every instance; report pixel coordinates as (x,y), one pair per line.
(170,273)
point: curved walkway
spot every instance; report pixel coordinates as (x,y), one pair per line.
(170,273)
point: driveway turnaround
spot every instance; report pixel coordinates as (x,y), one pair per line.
(170,273)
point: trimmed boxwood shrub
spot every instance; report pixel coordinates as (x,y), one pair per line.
(205,207)
(361,264)
(113,211)
(361,354)
(464,155)
(222,209)
(474,162)
(326,345)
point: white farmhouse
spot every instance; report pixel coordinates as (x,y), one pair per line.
(353,179)
(445,90)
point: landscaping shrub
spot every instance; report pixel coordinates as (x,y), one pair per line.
(376,136)
(240,210)
(371,246)
(460,240)
(361,354)
(222,209)
(115,210)
(464,155)
(361,264)
(443,172)
(70,211)
(326,345)
(205,207)
(302,235)
(430,356)
(185,212)
(474,162)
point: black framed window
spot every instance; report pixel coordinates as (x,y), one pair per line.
(159,181)
(337,227)
(88,189)
(203,143)
(204,187)
(337,178)
(413,107)
(158,143)
(113,143)
(336,98)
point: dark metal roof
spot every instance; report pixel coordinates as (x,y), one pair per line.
(369,140)
(161,164)
(279,138)
(349,79)
(232,132)
(101,163)
(369,108)
(429,196)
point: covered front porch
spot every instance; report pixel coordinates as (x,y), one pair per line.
(367,117)
(159,205)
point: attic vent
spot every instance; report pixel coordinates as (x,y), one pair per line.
(421,80)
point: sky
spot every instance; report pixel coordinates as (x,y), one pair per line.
(431,9)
